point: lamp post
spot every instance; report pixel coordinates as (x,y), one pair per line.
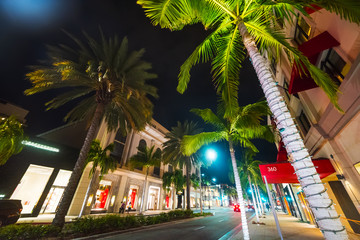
(210,155)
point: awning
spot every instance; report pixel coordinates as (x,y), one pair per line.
(311,49)
(312,9)
(282,153)
(285,173)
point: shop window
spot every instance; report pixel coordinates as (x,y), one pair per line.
(56,192)
(286,89)
(132,197)
(335,66)
(102,194)
(153,198)
(302,31)
(31,186)
(357,167)
(304,123)
(142,144)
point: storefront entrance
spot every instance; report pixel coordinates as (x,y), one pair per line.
(132,197)
(153,198)
(102,196)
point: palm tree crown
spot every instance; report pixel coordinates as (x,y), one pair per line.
(11,137)
(101,158)
(146,157)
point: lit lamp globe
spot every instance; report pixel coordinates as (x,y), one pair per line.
(211,154)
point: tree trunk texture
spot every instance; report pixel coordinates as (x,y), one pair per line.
(143,193)
(254,199)
(201,203)
(70,189)
(259,196)
(188,184)
(319,201)
(239,192)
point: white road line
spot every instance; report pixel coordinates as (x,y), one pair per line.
(199,228)
(221,220)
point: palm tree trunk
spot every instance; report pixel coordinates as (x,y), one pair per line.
(320,203)
(261,202)
(254,199)
(239,192)
(188,184)
(144,190)
(201,204)
(69,192)
(258,201)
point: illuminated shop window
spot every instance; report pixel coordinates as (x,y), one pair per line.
(357,167)
(31,186)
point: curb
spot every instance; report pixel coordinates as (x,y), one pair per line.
(136,229)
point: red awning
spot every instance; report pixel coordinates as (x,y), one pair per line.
(282,153)
(285,173)
(312,9)
(311,49)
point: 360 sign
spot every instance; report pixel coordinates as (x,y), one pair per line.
(272,169)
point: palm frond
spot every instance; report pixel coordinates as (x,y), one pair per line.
(209,117)
(192,144)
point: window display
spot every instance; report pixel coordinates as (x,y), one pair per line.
(102,194)
(31,186)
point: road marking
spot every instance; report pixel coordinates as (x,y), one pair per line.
(229,235)
(199,228)
(221,220)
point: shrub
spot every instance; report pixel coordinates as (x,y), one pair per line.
(27,231)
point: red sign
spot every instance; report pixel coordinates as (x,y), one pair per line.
(285,173)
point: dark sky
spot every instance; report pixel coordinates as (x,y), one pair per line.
(27,26)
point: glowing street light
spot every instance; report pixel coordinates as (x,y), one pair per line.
(211,154)
(214,179)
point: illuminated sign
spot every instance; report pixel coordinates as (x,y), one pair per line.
(40,146)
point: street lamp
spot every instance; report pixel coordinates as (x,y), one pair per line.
(211,156)
(214,180)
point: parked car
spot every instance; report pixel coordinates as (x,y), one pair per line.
(10,210)
(237,208)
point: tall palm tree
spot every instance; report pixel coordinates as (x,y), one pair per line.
(173,152)
(100,158)
(243,126)
(11,137)
(109,83)
(146,157)
(247,27)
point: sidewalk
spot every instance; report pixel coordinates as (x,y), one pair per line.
(291,228)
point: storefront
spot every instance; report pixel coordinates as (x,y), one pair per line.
(32,189)
(132,200)
(153,198)
(102,198)
(168,201)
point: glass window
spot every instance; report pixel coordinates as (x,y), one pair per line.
(157,171)
(170,169)
(357,167)
(56,192)
(304,123)
(302,31)
(31,186)
(334,65)
(119,144)
(102,194)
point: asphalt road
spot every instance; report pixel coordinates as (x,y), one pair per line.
(224,224)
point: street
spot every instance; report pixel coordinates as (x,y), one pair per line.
(222,225)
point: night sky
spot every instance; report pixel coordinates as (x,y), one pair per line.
(28,26)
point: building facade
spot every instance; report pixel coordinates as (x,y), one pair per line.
(332,44)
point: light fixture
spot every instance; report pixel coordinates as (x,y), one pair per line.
(40,146)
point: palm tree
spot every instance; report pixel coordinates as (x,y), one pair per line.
(230,192)
(173,152)
(243,126)
(146,157)
(99,158)
(246,27)
(248,169)
(11,138)
(109,83)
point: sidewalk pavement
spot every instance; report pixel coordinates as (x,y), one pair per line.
(47,218)
(291,229)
